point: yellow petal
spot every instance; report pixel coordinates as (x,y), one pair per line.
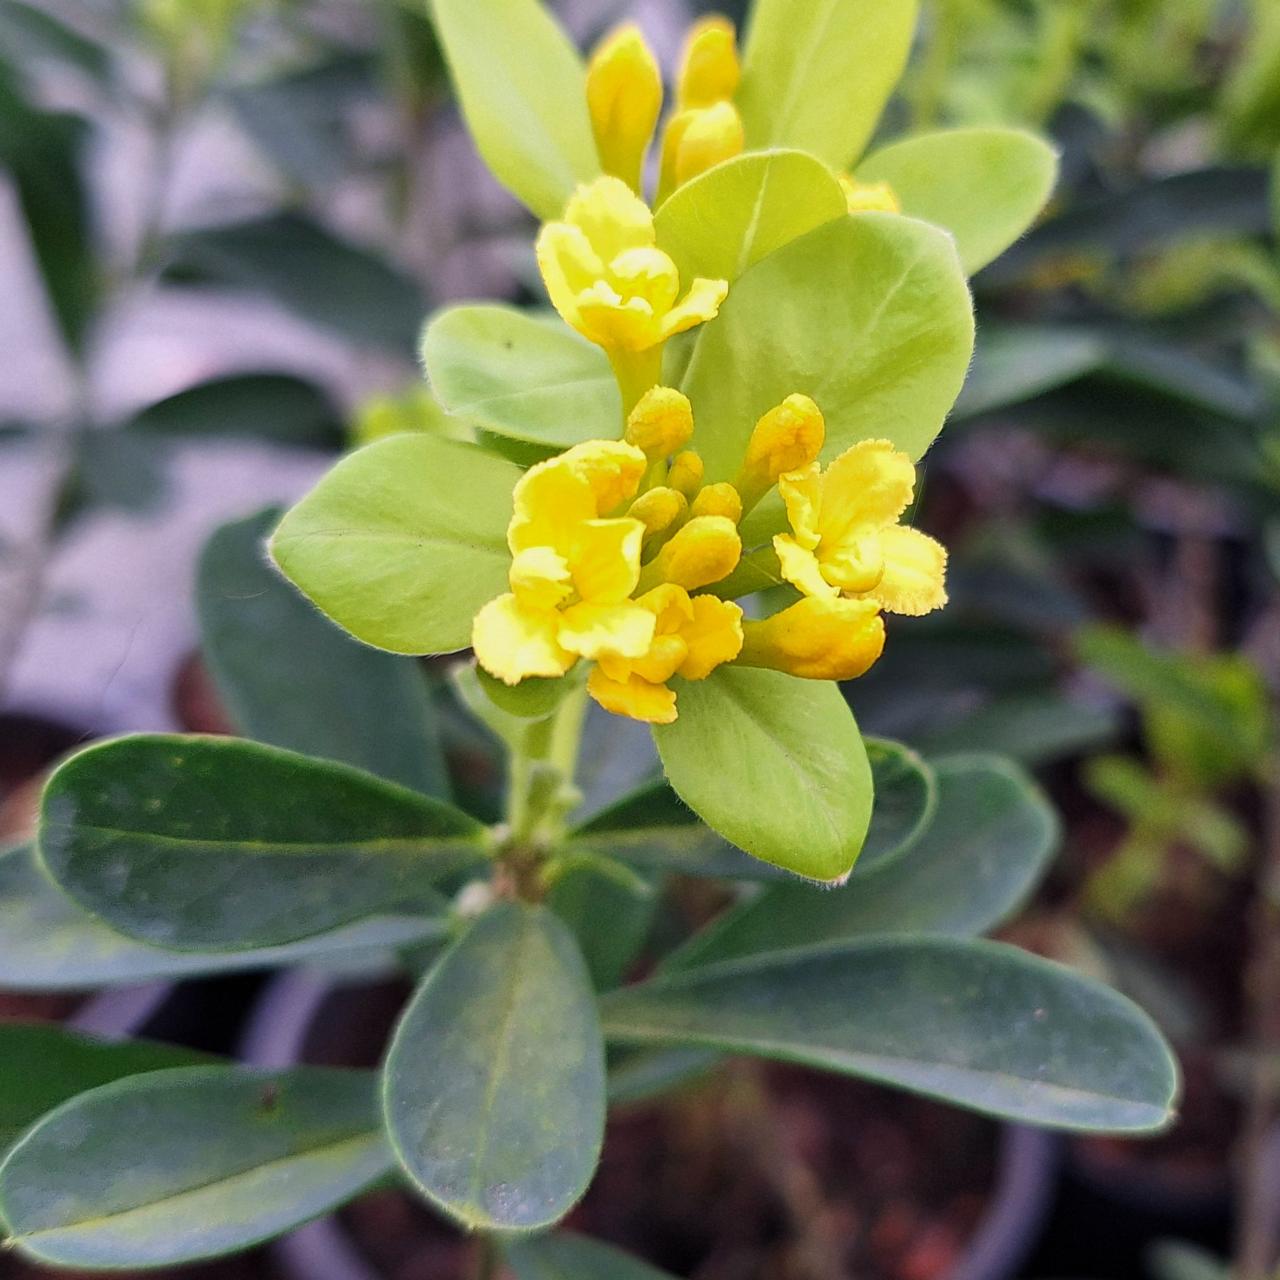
(568,266)
(873,197)
(658,509)
(702,552)
(788,438)
(801,492)
(915,569)
(685,475)
(800,567)
(624,97)
(645,273)
(637,698)
(855,565)
(618,630)
(661,423)
(613,321)
(549,502)
(709,136)
(709,70)
(611,469)
(670,605)
(605,559)
(701,303)
(611,216)
(512,641)
(817,639)
(539,578)
(867,487)
(720,499)
(713,636)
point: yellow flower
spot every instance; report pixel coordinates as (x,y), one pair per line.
(608,279)
(873,197)
(624,98)
(785,439)
(692,636)
(817,638)
(846,539)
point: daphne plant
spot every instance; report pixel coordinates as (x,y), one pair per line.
(680,497)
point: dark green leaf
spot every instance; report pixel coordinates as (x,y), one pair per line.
(565,1256)
(610,910)
(906,794)
(494,1083)
(1035,728)
(1015,364)
(216,843)
(31,34)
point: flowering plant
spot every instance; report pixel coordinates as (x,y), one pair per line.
(681,495)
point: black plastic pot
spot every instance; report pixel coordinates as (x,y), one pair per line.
(285,1028)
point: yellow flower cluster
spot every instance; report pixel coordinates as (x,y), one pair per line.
(614,545)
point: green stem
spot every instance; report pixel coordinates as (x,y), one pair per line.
(636,372)
(549,746)
(486,1259)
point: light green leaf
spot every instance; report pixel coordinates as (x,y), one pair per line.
(987,847)
(494,1084)
(42,1065)
(403,541)
(173,1166)
(220,844)
(523,91)
(525,375)
(565,1256)
(288,677)
(870,315)
(985,186)
(47,943)
(817,75)
(736,213)
(775,765)
(979,1024)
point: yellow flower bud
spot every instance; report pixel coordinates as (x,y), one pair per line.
(661,423)
(818,638)
(624,97)
(709,70)
(702,552)
(658,509)
(718,500)
(686,473)
(787,438)
(695,140)
(869,197)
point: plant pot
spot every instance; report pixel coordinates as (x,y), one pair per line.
(311,1017)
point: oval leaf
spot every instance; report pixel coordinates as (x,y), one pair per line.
(988,845)
(985,186)
(178,1165)
(979,1024)
(870,315)
(906,795)
(402,542)
(775,765)
(565,1256)
(736,213)
(816,76)
(494,1084)
(521,374)
(214,843)
(523,92)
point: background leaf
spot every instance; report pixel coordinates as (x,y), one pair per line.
(610,909)
(289,677)
(216,843)
(179,1165)
(494,1083)
(906,795)
(565,1256)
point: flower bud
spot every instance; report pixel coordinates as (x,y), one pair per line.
(702,552)
(709,70)
(787,438)
(624,97)
(869,197)
(661,423)
(686,473)
(658,509)
(718,500)
(818,638)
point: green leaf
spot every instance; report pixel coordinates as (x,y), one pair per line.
(523,92)
(1173,1260)
(525,375)
(264,406)
(30,33)
(42,1065)
(610,910)
(1035,728)
(565,1256)
(979,1024)
(179,1165)
(817,75)
(906,795)
(736,213)
(985,186)
(47,943)
(288,677)
(870,315)
(403,541)
(1012,364)
(494,1083)
(219,844)
(775,765)
(330,282)
(990,842)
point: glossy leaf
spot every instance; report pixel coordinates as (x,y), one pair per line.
(817,75)
(869,315)
(47,943)
(985,186)
(403,541)
(522,87)
(736,213)
(979,1024)
(494,1083)
(525,375)
(565,1256)
(42,1065)
(288,677)
(987,847)
(775,765)
(216,843)
(179,1165)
